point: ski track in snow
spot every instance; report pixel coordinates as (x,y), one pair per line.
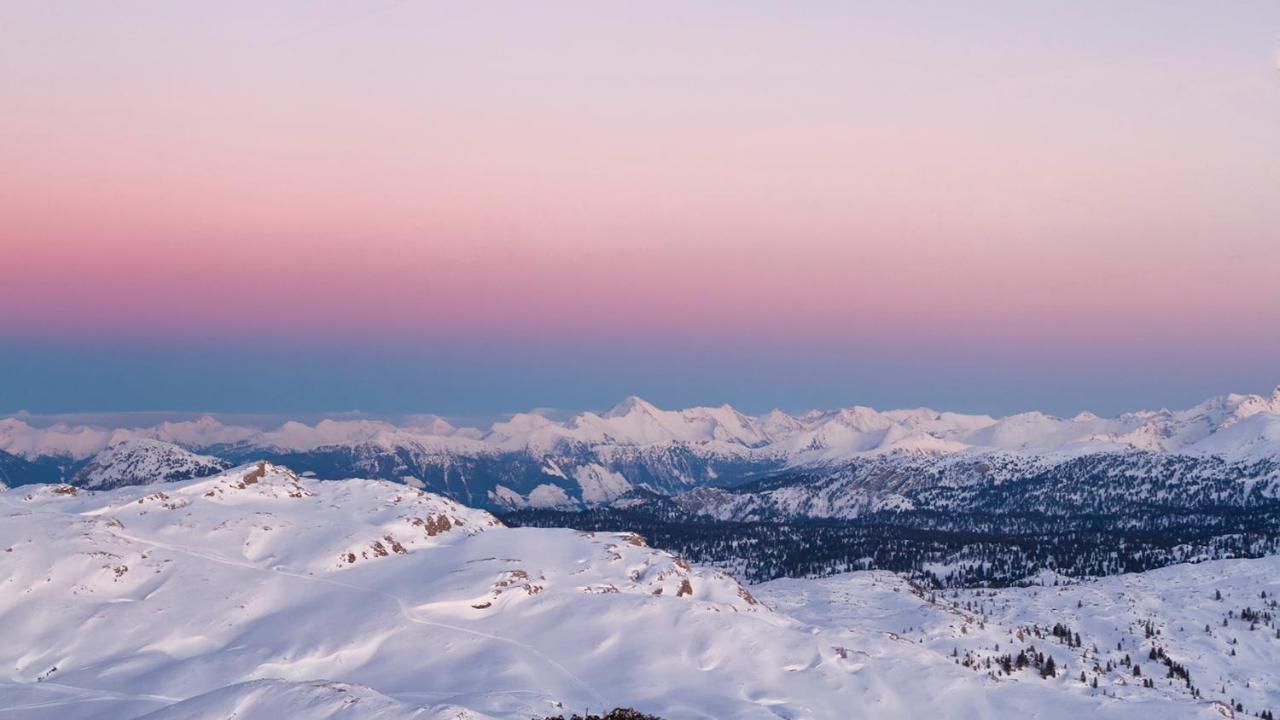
(82,694)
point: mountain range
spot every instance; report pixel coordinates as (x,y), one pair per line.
(532,460)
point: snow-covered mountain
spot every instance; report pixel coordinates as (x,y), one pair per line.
(263,594)
(1116,484)
(531,459)
(143,461)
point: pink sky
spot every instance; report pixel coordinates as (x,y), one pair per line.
(1077,175)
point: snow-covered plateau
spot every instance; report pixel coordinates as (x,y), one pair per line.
(257,593)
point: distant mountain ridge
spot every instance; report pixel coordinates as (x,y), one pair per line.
(531,460)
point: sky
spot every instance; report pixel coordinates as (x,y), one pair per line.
(470,208)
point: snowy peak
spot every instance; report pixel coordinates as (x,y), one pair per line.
(1254,436)
(270,513)
(776,423)
(862,419)
(143,462)
(1246,406)
(633,422)
(633,405)
(1227,410)
(432,424)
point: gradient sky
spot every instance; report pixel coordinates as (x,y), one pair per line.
(469,207)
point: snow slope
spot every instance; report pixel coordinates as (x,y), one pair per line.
(316,700)
(1229,663)
(266,594)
